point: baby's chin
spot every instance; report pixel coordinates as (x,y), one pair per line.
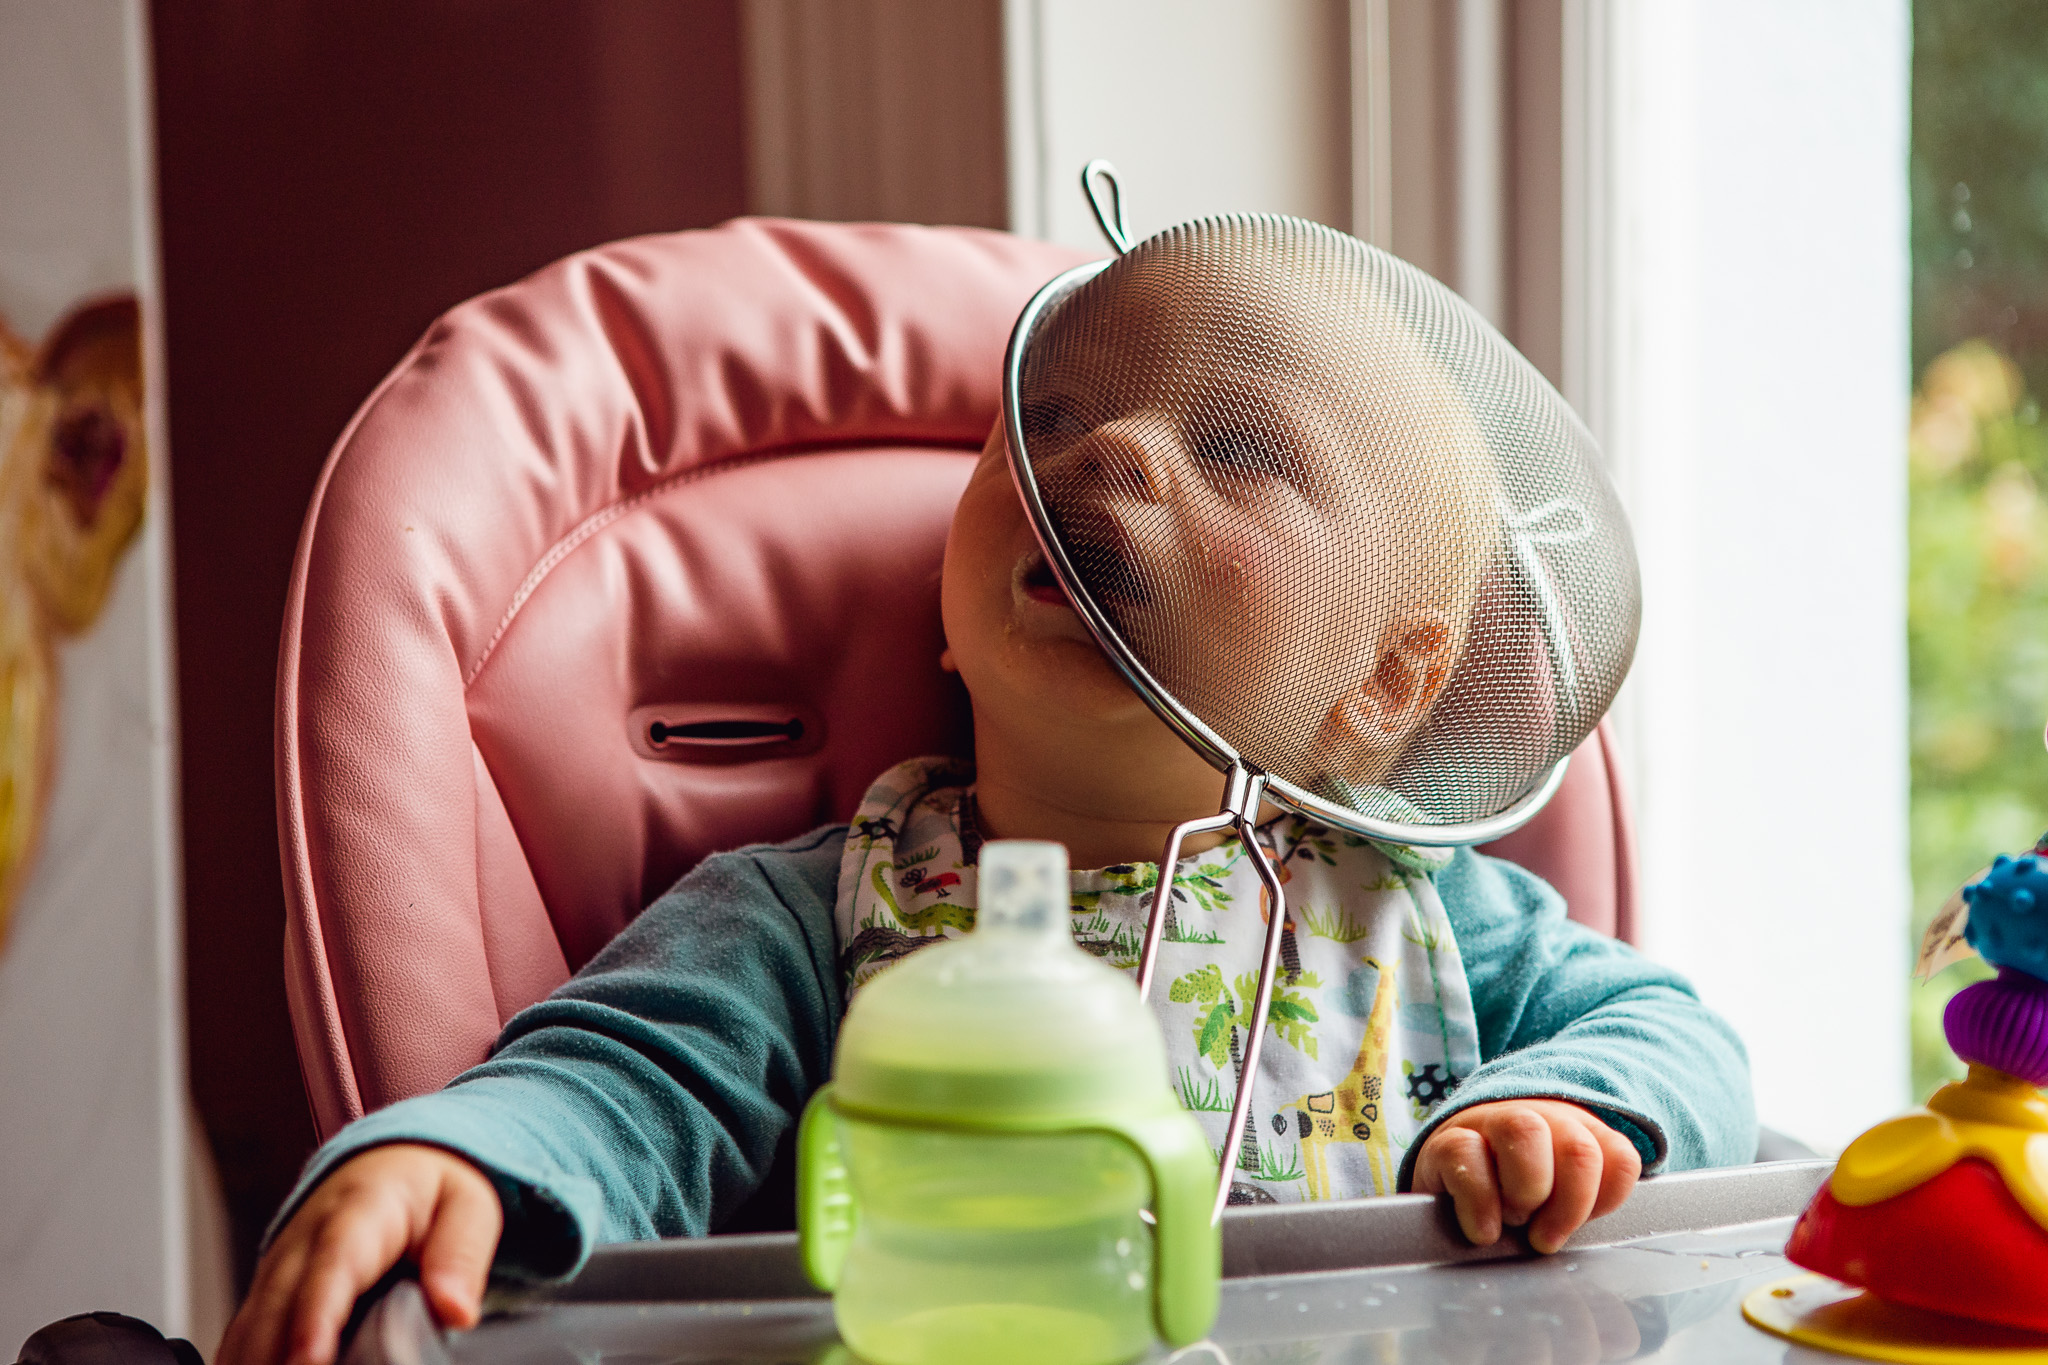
(1049,662)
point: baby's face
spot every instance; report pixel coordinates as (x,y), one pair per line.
(1241,506)
(1010,632)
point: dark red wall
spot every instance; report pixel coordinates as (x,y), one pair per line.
(331,177)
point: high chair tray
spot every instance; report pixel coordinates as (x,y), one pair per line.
(1660,1279)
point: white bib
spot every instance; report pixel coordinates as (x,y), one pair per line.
(1372,1022)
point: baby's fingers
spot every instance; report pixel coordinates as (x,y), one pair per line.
(255,1336)
(1523,1146)
(455,1256)
(1577,1162)
(1622,1166)
(1456,1162)
(351,1252)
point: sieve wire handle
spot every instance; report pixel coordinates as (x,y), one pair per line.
(1242,793)
(1109,216)
(1162,894)
(1269,966)
(1243,790)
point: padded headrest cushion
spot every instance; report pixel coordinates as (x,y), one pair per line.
(629,562)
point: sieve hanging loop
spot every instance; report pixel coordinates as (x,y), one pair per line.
(1242,793)
(1108,216)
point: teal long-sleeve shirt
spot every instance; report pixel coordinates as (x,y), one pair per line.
(649,1095)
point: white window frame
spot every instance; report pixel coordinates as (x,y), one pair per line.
(1735,261)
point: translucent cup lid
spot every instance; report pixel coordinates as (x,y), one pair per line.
(1012,1024)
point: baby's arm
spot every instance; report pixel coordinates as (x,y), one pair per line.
(1574,1026)
(647,1097)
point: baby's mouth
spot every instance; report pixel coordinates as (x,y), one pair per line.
(1036,580)
(1101,555)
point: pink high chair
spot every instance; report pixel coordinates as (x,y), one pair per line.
(633,561)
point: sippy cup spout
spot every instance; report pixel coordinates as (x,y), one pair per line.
(1023,890)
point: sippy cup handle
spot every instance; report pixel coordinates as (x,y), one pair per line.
(824,1195)
(1188,1242)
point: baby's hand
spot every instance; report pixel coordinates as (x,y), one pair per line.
(1546,1163)
(400,1200)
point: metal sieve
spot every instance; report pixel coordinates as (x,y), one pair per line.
(1332,527)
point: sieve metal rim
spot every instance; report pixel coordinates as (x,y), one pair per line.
(1197,735)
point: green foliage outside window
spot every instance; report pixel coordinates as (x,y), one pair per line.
(1977,641)
(1977,624)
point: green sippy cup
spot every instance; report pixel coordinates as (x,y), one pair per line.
(971,1184)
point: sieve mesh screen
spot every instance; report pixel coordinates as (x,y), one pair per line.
(1330,514)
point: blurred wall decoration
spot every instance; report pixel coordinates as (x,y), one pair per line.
(105,1200)
(73,479)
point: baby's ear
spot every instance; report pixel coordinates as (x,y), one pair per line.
(1413,663)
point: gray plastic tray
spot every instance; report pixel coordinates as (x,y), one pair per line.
(1372,1279)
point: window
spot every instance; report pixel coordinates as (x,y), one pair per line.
(1978,595)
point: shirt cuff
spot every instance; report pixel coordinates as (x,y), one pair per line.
(551,1220)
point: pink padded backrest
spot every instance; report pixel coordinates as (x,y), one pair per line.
(1583,842)
(629,562)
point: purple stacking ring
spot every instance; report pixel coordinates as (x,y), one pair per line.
(2003,1024)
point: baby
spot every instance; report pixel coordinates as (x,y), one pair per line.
(1277,495)
(1440,1026)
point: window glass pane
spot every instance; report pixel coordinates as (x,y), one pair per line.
(1978,593)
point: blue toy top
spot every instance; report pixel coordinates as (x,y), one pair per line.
(2009,914)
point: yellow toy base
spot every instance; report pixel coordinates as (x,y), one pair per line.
(1812,1310)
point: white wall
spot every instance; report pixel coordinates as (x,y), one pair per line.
(1756,409)
(96,1209)
(1205,106)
